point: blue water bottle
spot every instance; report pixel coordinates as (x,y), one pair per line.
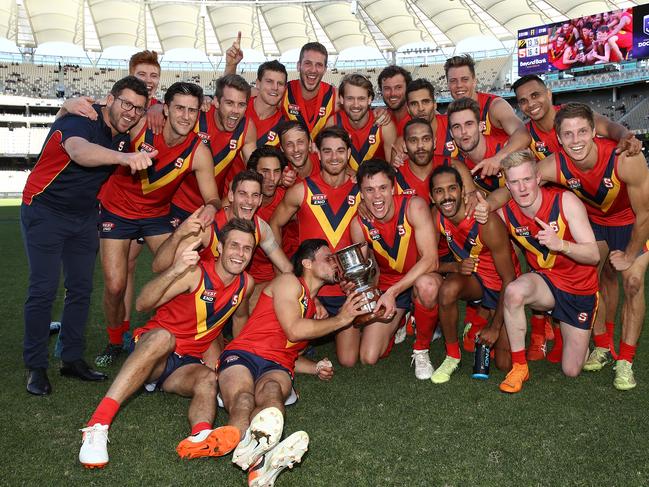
(481,361)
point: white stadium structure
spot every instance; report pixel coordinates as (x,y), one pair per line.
(418,34)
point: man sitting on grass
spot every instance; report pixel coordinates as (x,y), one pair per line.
(195,298)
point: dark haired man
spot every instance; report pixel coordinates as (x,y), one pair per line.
(393,81)
(496,116)
(257,368)
(402,243)
(264,109)
(137,206)
(194,299)
(58,219)
(369,140)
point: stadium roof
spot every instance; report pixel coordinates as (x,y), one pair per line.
(274,27)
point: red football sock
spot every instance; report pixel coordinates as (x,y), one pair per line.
(198,427)
(627,352)
(471,314)
(519,357)
(555,354)
(453,350)
(105,412)
(126,326)
(426,320)
(115,335)
(538,325)
(610,331)
(601,340)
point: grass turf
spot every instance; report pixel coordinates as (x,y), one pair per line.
(371,426)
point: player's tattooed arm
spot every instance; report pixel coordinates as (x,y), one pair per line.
(272,249)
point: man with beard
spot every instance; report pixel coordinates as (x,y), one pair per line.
(393,82)
(495,115)
(325,204)
(194,299)
(257,368)
(138,206)
(552,227)
(475,147)
(400,237)
(58,220)
(483,265)
(309,99)
(369,141)
(295,143)
(229,136)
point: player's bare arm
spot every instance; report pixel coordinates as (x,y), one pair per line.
(389,132)
(286,209)
(191,228)
(241,315)
(286,302)
(634,172)
(627,141)
(272,249)
(249,142)
(204,172)
(181,277)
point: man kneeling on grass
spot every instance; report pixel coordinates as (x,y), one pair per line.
(257,367)
(195,298)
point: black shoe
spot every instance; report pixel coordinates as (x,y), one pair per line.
(109,355)
(79,368)
(38,383)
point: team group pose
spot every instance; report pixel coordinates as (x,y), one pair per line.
(244,198)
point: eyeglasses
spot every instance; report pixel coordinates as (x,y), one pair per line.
(128,106)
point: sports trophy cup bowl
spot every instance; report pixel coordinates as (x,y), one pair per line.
(360,271)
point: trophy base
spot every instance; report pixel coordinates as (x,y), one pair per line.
(366,319)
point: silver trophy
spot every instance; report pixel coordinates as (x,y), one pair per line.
(360,271)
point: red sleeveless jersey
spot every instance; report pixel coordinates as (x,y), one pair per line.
(314,112)
(485,100)
(148,193)
(264,336)
(600,188)
(367,142)
(225,148)
(489,183)
(444,143)
(400,123)
(266,128)
(465,241)
(563,272)
(326,212)
(393,243)
(260,267)
(220,219)
(543,144)
(196,318)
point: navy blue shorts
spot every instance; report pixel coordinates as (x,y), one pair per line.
(119,228)
(490,296)
(333,303)
(174,362)
(574,309)
(617,238)
(257,365)
(177,215)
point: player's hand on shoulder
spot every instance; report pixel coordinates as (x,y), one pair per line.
(324,369)
(155,119)
(629,144)
(399,154)
(81,106)
(381,116)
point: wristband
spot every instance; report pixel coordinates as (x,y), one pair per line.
(565,247)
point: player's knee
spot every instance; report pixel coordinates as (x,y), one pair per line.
(114,287)
(426,288)
(206,382)
(159,342)
(272,388)
(347,360)
(632,285)
(514,296)
(571,370)
(448,294)
(369,357)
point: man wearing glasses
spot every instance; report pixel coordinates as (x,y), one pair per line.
(138,205)
(58,220)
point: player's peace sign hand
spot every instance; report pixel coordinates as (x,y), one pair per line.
(548,236)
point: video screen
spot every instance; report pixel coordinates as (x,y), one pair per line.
(592,39)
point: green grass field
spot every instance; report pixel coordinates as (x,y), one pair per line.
(371,426)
